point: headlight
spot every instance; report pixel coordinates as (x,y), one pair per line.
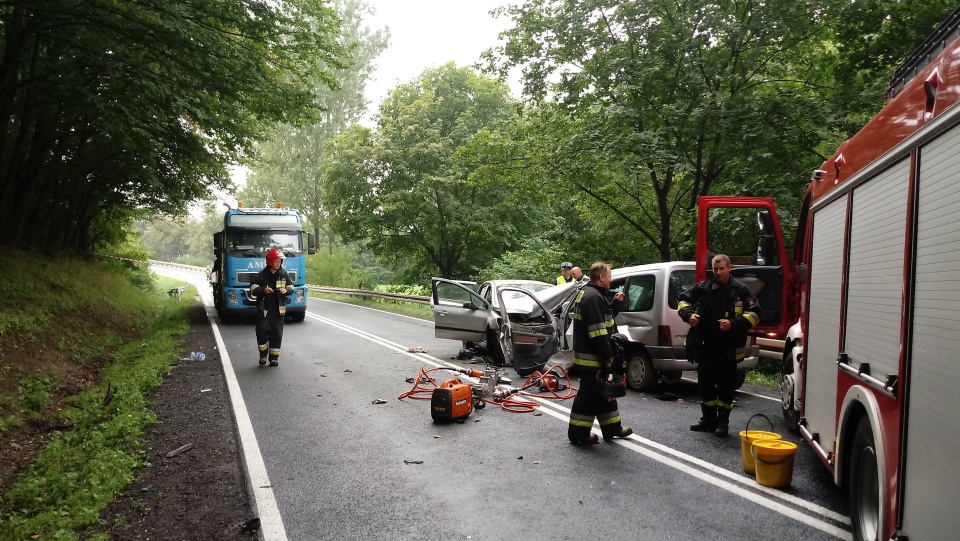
(232,295)
(300,295)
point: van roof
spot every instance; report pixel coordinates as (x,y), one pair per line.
(668,265)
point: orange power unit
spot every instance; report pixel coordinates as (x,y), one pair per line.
(451,401)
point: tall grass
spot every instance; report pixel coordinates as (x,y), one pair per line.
(71,310)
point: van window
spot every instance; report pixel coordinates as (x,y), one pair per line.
(680,281)
(639,293)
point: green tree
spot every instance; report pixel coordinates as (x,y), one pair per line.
(109,110)
(407,191)
(872,38)
(659,102)
(288,161)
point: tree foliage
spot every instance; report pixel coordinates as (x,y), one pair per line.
(287,167)
(406,190)
(664,101)
(112,109)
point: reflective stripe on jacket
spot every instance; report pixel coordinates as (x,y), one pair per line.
(592,327)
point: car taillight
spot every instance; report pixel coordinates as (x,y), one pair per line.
(663,336)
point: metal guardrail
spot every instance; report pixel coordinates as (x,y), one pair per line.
(419,299)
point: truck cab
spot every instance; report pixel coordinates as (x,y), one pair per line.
(240,251)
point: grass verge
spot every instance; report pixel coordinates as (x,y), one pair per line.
(84,387)
(398,307)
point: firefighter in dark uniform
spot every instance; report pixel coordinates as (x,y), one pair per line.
(593,327)
(271,287)
(723,309)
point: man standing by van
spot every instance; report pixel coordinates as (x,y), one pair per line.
(722,309)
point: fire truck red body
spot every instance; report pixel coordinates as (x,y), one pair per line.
(872,370)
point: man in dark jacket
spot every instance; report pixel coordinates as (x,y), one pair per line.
(271,287)
(593,359)
(722,309)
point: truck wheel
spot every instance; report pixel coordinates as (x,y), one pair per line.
(863,484)
(640,373)
(788,392)
(298,317)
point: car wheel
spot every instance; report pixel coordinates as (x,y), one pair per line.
(864,484)
(741,378)
(671,377)
(640,373)
(494,349)
(298,317)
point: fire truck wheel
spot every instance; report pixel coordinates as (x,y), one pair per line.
(788,392)
(863,484)
(640,373)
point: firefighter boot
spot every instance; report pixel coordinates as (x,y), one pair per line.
(707,423)
(723,423)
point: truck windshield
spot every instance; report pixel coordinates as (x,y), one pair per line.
(258,243)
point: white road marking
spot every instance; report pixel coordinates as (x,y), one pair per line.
(271,523)
(712,478)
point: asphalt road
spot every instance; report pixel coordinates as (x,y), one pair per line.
(327,462)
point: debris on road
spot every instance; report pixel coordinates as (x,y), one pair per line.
(179,450)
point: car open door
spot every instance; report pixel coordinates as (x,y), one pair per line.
(529,333)
(747,230)
(459,313)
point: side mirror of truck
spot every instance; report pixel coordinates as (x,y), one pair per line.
(802,274)
(311,243)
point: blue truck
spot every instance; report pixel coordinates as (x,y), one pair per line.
(240,251)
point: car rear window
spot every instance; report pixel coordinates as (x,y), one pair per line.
(680,281)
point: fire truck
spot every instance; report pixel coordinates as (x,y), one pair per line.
(870,303)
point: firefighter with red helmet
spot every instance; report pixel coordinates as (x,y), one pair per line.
(593,358)
(271,287)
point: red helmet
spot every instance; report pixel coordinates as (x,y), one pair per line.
(273,255)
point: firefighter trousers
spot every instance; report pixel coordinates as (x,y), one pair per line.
(717,376)
(269,334)
(590,404)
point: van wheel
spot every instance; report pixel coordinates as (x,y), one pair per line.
(671,377)
(741,378)
(640,373)
(863,484)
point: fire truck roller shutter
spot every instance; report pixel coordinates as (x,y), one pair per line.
(823,330)
(931,478)
(875,282)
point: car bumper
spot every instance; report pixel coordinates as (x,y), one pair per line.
(674,358)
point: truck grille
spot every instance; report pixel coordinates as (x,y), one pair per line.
(247,277)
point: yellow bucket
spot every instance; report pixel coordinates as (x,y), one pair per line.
(774,462)
(747,437)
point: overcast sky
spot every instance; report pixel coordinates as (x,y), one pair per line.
(430,33)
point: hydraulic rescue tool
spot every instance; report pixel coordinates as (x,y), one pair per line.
(454,400)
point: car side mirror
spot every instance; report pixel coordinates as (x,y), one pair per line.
(470,306)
